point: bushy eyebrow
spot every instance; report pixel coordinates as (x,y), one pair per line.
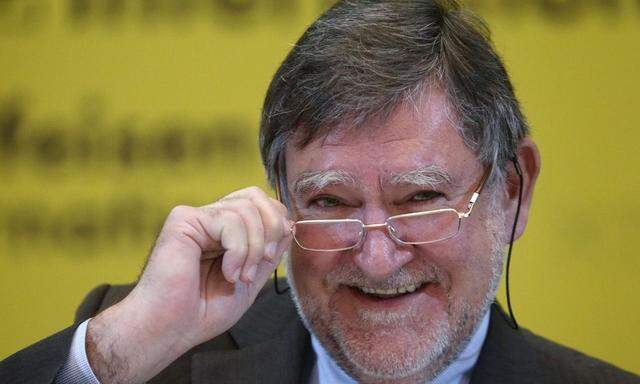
(430,176)
(316,180)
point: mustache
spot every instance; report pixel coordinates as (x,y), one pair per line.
(348,274)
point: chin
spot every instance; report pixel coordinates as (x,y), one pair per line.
(375,344)
(383,353)
(369,348)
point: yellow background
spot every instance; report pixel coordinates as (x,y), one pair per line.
(77,74)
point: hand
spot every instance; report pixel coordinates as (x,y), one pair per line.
(204,272)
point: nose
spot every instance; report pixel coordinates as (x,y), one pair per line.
(380,256)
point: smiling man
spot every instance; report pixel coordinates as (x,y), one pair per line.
(402,299)
(403,166)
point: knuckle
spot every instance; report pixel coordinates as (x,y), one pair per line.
(214,210)
(278,204)
(241,249)
(251,214)
(273,226)
(232,203)
(232,217)
(255,249)
(247,208)
(180,211)
(280,207)
(237,194)
(254,188)
(255,191)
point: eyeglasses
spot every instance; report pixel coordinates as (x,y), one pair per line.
(416,228)
(514,324)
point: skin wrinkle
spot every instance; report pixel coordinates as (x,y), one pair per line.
(442,317)
(359,43)
(439,356)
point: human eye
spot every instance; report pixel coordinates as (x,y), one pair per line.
(425,196)
(324,202)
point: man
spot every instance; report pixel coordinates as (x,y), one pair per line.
(401,157)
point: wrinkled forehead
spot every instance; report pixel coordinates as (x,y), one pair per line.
(427,108)
(418,133)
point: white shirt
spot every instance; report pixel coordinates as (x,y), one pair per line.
(77,369)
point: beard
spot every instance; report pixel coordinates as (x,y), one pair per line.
(403,346)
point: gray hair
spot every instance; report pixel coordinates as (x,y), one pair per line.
(363,58)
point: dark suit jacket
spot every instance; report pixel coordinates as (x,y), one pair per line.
(270,345)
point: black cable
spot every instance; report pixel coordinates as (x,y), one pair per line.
(275,280)
(280,186)
(514,323)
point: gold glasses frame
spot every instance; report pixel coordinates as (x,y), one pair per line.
(387,223)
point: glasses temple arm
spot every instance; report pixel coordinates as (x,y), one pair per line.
(477,192)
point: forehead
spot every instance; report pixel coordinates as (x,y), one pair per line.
(415,135)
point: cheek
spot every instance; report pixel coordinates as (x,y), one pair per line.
(309,270)
(466,261)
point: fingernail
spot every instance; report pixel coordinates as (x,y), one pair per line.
(251,273)
(270,250)
(236,275)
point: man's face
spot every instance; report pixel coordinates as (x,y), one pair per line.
(415,161)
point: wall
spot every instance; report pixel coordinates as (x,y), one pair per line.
(112,112)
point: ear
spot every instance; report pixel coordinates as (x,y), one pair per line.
(529,161)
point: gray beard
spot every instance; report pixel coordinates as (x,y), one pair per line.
(450,342)
(445,344)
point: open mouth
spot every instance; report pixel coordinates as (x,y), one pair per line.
(388,293)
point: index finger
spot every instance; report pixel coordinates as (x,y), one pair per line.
(274,217)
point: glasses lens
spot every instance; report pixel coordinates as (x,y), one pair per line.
(327,235)
(426,227)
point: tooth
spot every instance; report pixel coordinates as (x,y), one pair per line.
(411,288)
(402,289)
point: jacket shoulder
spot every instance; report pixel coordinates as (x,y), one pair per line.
(40,362)
(511,355)
(100,298)
(570,365)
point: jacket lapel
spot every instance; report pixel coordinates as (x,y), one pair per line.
(273,347)
(506,356)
